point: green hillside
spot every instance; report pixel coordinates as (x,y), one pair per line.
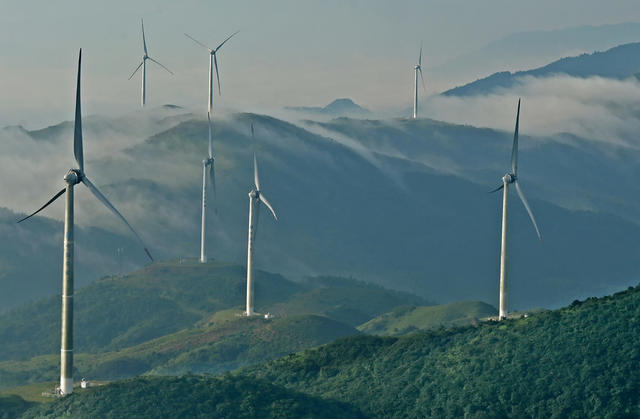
(347,300)
(173,318)
(406,319)
(580,361)
(193,397)
(222,343)
(118,312)
(13,406)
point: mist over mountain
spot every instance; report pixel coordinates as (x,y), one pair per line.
(397,202)
(618,62)
(532,49)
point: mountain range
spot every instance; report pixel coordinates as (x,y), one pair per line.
(618,62)
(534,48)
(396,202)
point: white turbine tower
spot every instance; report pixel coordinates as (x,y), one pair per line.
(208,170)
(255,197)
(72,178)
(417,69)
(213,62)
(143,64)
(508,179)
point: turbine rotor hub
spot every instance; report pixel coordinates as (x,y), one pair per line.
(254,194)
(208,162)
(509,178)
(73,177)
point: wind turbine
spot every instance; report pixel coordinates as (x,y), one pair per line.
(72,178)
(255,197)
(508,179)
(213,62)
(207,172)
(208,169)
(417,69)
(143,64)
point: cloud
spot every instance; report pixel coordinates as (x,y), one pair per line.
(34,164)
(596,108)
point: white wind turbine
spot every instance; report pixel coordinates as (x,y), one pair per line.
(72,178)
(255,197)
(208,170)
(213,62)
(143,64)
(508,179)
(417,69)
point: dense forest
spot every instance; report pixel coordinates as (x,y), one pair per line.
(579,361)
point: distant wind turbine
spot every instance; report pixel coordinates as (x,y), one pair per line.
(72,178)
(208,167)
(255,197)
(417,69)
(213,62)
(510,178)
(207,172)
(143,64)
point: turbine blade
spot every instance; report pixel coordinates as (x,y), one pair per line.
(215,62)
(497,189)
(196,41)
(223,42)
(420,57)
(256,180)
(526,205)
(136,70)
(144,41)
(212,180)
(113,209)
(256,222)
(56,196)
(212,173)
(77,130)
(264,201)
(514,151)
(161,65)
(421,78)
(210,137)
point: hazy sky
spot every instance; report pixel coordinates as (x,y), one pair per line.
(289,52)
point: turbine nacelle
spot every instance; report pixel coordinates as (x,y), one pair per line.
(254,194)
(509,178)
(73,177)
(208,162)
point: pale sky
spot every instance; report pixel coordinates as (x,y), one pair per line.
(288,52)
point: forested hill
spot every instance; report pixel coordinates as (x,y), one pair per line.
(580,361)
(618,62)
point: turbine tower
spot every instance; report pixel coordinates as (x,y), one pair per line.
(417,69)
(143,64)
(72,178)
(213,62)
(255,197)
(208,163)
(207,172)
(508,179)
